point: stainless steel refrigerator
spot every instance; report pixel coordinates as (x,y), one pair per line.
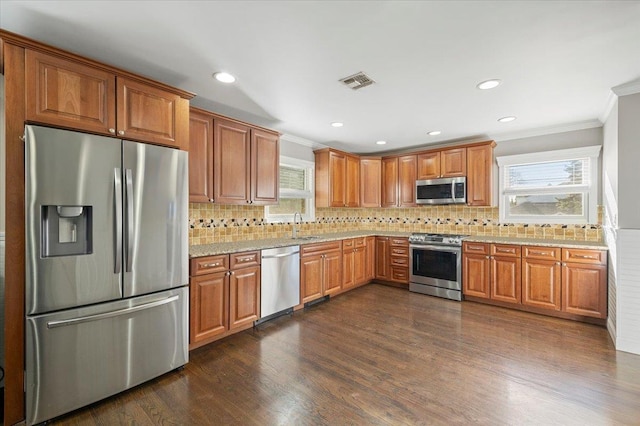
(106,267)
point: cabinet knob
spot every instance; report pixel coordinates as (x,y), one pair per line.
(121,132)
(558,263)
(112,131)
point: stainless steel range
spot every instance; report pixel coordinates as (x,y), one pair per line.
(435,265)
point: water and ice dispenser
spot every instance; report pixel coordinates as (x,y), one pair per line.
(66,230)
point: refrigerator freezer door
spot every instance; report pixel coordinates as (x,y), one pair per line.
(71,252)
(79,356)
(156,221)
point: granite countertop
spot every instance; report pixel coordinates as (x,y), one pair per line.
(592,245)
(239,246)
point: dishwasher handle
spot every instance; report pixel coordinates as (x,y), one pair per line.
(273,256)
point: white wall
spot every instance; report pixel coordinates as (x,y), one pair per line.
(629,161)
(294,149)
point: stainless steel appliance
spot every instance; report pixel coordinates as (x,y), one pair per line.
(280,281)
(106,267)
(435,265)
(442,191)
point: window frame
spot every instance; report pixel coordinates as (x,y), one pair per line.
(308,195)
(589,191)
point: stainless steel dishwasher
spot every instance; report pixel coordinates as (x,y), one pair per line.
(280,284)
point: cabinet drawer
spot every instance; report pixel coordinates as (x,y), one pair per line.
(400,274)
(209,264)
(360,242)
(399,242)
(545,253)
(477,248)
(400,251)
(311,249)
(241,260)
(505,250)
(348,244)
(399,261)
(584,256)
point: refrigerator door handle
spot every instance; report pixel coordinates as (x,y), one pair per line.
(116,313)
(117,205)
(128,178)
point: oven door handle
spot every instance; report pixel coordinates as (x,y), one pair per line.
(448,249)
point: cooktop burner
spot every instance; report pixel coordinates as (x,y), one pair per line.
(444,239)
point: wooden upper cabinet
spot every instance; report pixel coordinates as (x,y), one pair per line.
(407,171)
(78,95)
(265,170)
(69,94)
(231,162)
(337,179)
(370,181)
(200,157)
(439,164)
(389,182)
(150,114)
(480,175)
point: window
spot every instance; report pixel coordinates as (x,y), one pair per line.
(550,187)
(296,192)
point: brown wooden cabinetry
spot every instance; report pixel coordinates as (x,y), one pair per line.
(584,282)
(390,182)
(392,260)
(231,162)
(370,181)
(399,181)
(480,174)
(492,271)
(439,164)
(476,267)
(370,258)
(320,270)
(77,94)
(354,260)
(224,295)
(337,179)
(383,271)
(541,269)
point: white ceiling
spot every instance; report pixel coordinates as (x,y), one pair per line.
(558,61)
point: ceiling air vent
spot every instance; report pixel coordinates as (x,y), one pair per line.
(357,81)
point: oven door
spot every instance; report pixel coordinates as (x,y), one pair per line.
(436,265)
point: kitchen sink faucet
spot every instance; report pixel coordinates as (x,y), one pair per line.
(294,231)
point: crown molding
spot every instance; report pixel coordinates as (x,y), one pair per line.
(541,131)
(611,103)
(629,88)
(301,141)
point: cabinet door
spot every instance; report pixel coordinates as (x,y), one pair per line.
(348,276)
(200,158)
(382,263)
(429,165)
(150,114)
(407,172)
(337,176)
(475,280)
(505,279)
(231,162)
(209,306)
(584,289)
(69,94)
(244,298)
(390,182)
(265,167)
(359,265)
(311,277)
(332,270)
(479,175)
(352,181)
(541,283)
(370,258)
(453,162)
(370,180)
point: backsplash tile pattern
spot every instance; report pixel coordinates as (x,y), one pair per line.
(213,223)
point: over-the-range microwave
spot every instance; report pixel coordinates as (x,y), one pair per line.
(442,191)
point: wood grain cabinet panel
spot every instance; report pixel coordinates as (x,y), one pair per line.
(311,277)
(320,270)
(541,283)
(348,273)
(407,172)
(476,275)
(370,181)
(390,182)
(209,306)
(265,167)
(332,272)
(337,170)
(370,262)
(382,254)
(244,296)
(506,279)
(200,157)
(584,289)
(453,162)
(69,94)
(337,179)
(479,175)
(428,165)
(352,181)
(231,162)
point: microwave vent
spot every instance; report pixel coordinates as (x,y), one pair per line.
(357,81)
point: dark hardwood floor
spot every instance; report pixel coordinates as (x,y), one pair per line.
(382,355)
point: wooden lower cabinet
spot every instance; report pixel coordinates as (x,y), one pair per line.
(541,286)
(320,270)
(584,289)
(392,260)
(354,259)
(383,272)
(209,311)
(476,276)
(370,258)
(244,296)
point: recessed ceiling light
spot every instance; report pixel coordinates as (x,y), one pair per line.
(381,142)
(337,124)
(434,133)
(224,77)
(488,84)
(506,119)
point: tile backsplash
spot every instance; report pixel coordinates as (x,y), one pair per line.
(213,223)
